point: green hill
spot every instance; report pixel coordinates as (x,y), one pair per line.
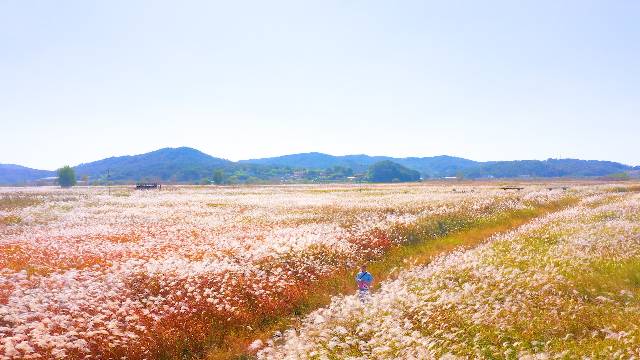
(545,168)
(16,174)
(181,164)
(388,171)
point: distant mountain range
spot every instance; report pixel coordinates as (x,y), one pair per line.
(431,166)
(446,166)
(16,174)
(187,165)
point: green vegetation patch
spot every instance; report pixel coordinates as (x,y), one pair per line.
(609,277)
(10,203)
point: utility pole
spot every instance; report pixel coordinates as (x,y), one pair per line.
(109,181)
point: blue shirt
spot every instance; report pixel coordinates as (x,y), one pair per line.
(364,280)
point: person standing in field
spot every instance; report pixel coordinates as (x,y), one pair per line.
(364,279)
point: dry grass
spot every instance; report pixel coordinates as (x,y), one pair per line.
(11,203)
(10,220)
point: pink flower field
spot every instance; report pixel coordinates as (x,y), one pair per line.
(148,274)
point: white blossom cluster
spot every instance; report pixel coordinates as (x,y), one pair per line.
(85,274)
(564,286)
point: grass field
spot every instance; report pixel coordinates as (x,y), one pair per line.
(214,272)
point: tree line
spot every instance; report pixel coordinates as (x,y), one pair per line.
(380,172)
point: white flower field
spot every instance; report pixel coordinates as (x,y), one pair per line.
(198,272)
(561,287)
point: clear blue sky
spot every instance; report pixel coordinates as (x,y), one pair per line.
(485,80)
